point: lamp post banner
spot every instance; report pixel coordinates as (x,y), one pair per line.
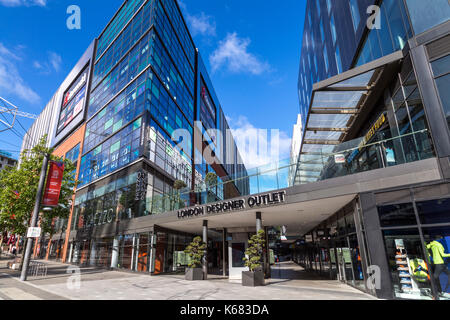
(54,181)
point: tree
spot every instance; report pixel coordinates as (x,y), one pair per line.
(211,179)
(211,183)
(254,251)
(196,251)
(178,185)
(18,188)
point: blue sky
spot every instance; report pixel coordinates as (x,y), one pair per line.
(251,48)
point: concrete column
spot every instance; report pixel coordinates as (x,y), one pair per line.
(76,254)
(93,254)
(69,260)
(115,253)
(224,251)
(152,252)
(258,221)
(205,258)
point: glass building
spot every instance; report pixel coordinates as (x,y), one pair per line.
(373,92)
(151,119)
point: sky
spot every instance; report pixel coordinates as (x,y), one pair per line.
(251,49)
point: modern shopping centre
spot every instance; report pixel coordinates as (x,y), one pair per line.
(366,192)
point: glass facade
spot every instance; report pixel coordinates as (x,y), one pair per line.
(332,249)
(392,36)
(417,239)
(441,72)
(425,15)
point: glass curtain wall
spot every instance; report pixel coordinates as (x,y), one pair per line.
(392,36)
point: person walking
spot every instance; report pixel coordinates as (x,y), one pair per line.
(438,255)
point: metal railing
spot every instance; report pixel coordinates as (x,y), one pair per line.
(37,269)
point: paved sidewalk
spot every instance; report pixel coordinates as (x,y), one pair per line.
(98,284)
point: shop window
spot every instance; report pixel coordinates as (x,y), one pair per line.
(434,211)
(408,265)
(437,242)
(397,215)
(126,252)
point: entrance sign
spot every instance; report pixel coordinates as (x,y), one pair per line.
(54,181)
(34,232)
(235,205)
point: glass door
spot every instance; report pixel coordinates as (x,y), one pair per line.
(236,252)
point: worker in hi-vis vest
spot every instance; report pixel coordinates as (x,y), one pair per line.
(438,254)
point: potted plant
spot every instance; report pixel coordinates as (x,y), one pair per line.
(196,252)
(253,256)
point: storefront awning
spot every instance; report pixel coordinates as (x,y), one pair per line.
(336,104)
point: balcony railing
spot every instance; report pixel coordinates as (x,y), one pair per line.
(334,161)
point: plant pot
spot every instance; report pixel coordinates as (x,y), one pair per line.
(253,279)
(194,274)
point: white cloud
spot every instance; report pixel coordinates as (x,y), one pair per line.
(27,3)
(259,147)
(201,24)
(10,79)
(54,62)
(232,52)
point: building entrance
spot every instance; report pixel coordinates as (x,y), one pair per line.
(236,252)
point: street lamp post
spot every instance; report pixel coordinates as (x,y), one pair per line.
(34,217)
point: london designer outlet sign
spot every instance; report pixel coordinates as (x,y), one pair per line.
(234,205)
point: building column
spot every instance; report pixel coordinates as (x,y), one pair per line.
(93,254)
(69,259)
(205,258)
(259,227)
(115,253)
(258,221)
(374,238)
(224,251)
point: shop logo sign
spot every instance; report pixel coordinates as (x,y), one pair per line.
(234,205)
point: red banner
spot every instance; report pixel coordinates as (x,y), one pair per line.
(54,181)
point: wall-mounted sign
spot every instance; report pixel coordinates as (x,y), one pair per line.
(54,181)
(381,120)
(34,232)
(73,101)
(339,158)
(235,205)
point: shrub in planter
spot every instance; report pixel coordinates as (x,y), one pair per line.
(255,276)
(196,252)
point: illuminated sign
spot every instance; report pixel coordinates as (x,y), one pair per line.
(73,101)
(71,93)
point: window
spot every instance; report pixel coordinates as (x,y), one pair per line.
(333,29)
(329,6)
(441,70)
(325,56)
(425,16)
(322,32)
(355,13)
(338,60)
